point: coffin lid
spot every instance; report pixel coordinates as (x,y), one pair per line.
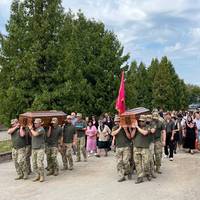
(39,114)
(136,111)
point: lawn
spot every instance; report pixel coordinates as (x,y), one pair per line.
(5,146)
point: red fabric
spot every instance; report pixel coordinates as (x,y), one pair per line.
(120,102)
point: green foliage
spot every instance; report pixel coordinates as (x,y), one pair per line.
(193,93)
(56,60)
(158,86)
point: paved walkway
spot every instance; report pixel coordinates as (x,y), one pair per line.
(97,180)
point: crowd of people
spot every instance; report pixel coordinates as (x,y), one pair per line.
(138,148)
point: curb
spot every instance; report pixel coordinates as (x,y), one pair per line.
(4,157)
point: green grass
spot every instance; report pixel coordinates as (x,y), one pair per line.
(5,146)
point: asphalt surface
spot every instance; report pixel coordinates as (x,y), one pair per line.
(97,180)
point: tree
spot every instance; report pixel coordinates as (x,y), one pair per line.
(56,60)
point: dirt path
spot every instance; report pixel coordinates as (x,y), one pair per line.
(97,180)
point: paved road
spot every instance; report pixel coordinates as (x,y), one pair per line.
(96,180)
(4,135)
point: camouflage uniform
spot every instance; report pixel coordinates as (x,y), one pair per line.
(81,148)
(19,152)
(38,152)
(38,161)
(80,125)
(141,152)
(19,158)
(123,164)
(53,137)
(28,158)
(142,164)
(158,144)
(122,153)
(28,150)
(69,133)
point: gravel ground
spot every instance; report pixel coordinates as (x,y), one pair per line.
(97,179)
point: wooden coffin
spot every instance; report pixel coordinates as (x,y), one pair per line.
(130,116)
(46,116)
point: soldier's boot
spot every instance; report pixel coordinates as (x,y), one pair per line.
(129,176)
(50,172)
(71,167)
(64,168)
(37,178)
(41,178)
(158,170)
(153,175)
(56,172)
(25,176)
(121,179)
(19,177)
(139,180)
(148,177)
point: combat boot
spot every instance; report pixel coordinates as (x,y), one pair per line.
(37,178)
(158,170)
(41,178)
(50,172)
(148,177)
(25,176)
(19,177)
(153,175)
(139,180)
(129,176)
(121,179)
(56,173)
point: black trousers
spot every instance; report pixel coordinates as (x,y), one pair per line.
(169,147)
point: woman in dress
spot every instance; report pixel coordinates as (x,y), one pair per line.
(103,137)
(91,134)
(190,134)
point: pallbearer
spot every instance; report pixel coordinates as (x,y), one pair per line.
(18,149)
(54,135)
(38,149)
(123,142)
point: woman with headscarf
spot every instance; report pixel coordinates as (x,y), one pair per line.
(190,134)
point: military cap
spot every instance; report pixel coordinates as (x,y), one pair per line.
(37,120)
(13,121)
(117,118)
(142,118)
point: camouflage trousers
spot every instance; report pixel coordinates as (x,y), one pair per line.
(81,148)
(151,158)
(52,161)
(28,158)
(67,156)
(38,161)
(123,161)
(19,158)
(158,153)
(142,164)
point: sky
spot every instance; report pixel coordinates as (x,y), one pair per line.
(146,28)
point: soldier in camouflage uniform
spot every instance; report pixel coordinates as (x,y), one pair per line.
(28,148)
(38,149)
(18,149)
(69,138)
(151,146)
(159,140)
(141,150)
(123,142)
(81,127)
(54,135)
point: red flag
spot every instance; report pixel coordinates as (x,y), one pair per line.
(120,102)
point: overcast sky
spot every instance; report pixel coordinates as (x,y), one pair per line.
(146,29)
